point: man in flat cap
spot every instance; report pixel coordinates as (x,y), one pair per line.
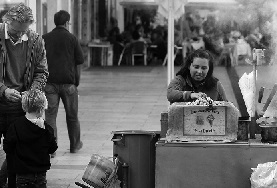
(23,66)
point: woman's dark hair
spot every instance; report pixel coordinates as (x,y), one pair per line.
(204,54)
(61,17)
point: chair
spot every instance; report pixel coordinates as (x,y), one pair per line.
(121,56)
(125,55)
(139,49)
(118,50)
(175,54)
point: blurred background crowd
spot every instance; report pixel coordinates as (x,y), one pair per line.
(233,31)
(230,29)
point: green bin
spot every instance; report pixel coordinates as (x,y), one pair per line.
(136,152)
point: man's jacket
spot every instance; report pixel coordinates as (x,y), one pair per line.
(64,54)
(36,73)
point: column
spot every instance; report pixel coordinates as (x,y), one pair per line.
(33,5)
(89,12)
(52,8)
(120,15)
(80,19)
(39,17)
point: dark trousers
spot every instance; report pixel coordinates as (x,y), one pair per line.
(5,120)
(68,93)
(34,180)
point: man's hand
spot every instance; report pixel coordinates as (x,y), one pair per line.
(12,95)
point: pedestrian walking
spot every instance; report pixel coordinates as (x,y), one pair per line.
(29,141)
(64,57)
(23,66)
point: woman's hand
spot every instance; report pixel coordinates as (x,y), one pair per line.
(197,95)
(12,95)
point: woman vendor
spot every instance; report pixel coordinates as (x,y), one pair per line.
(196,79)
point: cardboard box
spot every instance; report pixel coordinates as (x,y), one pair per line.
(199,123)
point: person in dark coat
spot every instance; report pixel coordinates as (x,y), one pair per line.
(29,142)
(23,66)
(64,56)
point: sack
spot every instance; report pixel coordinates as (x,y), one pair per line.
(264,176)
(101,172)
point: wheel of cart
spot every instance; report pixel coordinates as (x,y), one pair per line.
(100,173)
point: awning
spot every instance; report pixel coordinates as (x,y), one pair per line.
(225,4)
(222,4)
(136,4)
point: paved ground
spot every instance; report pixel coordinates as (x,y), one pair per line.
(121,98)
(111,99)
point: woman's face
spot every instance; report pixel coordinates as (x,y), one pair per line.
(199,69)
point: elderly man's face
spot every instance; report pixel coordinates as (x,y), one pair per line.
(16,29)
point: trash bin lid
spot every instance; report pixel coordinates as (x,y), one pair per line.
(136,132)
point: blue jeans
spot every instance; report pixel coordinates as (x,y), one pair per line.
(69,95)
(34,180)
(5,120)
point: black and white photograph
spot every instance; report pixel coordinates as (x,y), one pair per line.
(138,94)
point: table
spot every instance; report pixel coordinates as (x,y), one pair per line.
(105,55)
(197,165)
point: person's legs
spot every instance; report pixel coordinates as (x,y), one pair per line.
(3,169)
(5,120)
(53,98)
(36,180)
(69,95)
(11,175)
(41,180)
(11,179)
(3,173)
(25,181)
